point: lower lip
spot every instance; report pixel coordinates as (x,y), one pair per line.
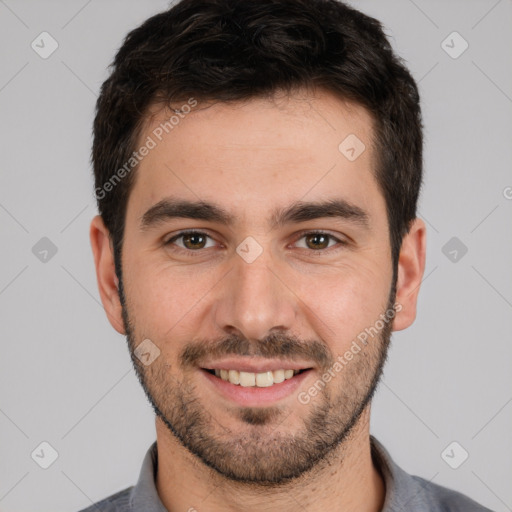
(254,396)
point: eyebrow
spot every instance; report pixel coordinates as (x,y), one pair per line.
(171,208)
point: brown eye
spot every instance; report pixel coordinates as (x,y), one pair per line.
(194,241)
(190,240)
(317,240)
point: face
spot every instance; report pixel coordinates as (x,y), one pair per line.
(253,245)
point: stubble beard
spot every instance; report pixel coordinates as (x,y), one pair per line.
(259,451)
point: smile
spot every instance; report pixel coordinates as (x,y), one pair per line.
(251,379)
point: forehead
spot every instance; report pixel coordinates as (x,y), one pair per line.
(257,152)
(281,121)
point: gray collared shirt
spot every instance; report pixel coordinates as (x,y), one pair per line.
(404,492)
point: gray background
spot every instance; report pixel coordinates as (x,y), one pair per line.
(66,376)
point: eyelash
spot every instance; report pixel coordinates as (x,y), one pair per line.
(190,252)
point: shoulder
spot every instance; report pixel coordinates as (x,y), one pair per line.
(441,499)
(416,494)
(118,502)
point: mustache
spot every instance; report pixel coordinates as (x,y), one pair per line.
(273,346)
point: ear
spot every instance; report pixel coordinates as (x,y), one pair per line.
(105,273)
(411,265)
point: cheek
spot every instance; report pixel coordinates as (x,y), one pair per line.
(166,300)
(344,303)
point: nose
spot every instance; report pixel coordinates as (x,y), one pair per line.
(255,299)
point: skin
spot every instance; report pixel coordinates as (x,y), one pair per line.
(249,158)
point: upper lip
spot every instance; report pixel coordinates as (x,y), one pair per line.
(255,365)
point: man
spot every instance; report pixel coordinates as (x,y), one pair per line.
(257,168)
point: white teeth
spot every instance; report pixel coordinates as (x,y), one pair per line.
(234,376)
(247,379)
(288,374)
(263,380)
(250,379)
(278,376)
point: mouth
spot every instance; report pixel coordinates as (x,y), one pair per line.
(253,389)
(252,379)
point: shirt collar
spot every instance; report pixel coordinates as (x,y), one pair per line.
(403,492)
(144,495)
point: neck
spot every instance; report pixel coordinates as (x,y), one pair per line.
(348,480)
